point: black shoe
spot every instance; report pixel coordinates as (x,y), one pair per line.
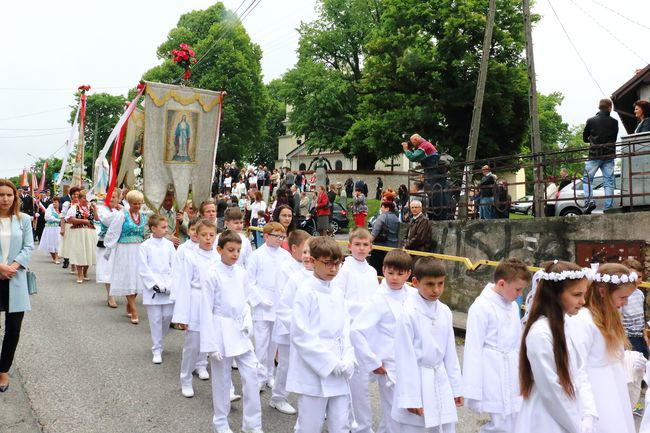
(590,207)
(66,263)
(3,388)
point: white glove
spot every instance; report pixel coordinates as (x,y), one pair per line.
(639,362)
(339,369)
(217,356)
(246,330)
(107,254)
(267,304)
(349,369)
(587,425)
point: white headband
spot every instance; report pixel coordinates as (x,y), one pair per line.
(566,275)
(615,279)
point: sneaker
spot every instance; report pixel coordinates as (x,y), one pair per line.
(271,382)
(590,207)
(234,397)
(202,373)
(638,410)
(253,430)
(283,406)
(187,391)
(157,358)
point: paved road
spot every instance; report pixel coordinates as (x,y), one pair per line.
(82,367)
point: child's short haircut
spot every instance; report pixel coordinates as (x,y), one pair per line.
(325,247)
(260,214)
(194,221)
(154,220)
(233,214)
(273,227)
(359,233)
(635,265)
(228,236)
(297,237)
(398,260)
(510,270)
(206,223)
(429,267)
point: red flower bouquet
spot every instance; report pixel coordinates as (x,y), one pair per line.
(184,57)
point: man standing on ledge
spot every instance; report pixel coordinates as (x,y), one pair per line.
(600,132)
(423,152)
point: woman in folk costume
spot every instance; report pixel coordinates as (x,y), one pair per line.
(82,237)
(51,237)
(552,375)
(65,227)
(123,239)
(601,340)
(106,213)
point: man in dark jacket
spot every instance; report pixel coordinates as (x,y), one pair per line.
(420,234)
(486,191)
(600,132)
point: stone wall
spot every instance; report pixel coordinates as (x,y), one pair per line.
(532,240)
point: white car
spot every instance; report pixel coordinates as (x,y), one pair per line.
(572,197)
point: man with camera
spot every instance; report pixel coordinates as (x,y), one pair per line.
(423,152)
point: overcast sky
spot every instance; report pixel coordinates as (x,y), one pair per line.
(53,47)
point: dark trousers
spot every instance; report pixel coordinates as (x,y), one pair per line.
(376,260)
(13,323)
(638,344)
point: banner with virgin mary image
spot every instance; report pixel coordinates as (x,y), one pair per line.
(180,141)
(133,148)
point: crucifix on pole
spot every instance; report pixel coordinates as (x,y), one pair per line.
(392,164)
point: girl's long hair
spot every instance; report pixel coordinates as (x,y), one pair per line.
(607,318)
(547,303)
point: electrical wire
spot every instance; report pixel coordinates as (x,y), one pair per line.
(36,113)
(614,11)
(576,49)
(34,129)
(610,32)
(30,136)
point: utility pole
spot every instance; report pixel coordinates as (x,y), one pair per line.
(95,142)
(535,140)
(477,110)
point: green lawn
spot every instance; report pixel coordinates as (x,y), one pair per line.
(373,207)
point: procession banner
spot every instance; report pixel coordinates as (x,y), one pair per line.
(69,144)
(133,148)
(180,141)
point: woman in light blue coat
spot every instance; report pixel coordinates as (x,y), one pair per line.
(16,244)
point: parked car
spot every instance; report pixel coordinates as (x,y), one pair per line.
(523,206)
(338,222)
(572,197)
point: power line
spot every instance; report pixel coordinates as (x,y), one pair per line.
(36,113)
(244,15)
(610,32)
(30,136)
(614,11)
(33,129)
(576,49)
(240,5)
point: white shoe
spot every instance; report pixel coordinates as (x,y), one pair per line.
(262,387)
(254,430)
(271,382)
(202,373)
(234,397)
(234,365)
(224,431)
(187,391)
(283,406)
(157,358)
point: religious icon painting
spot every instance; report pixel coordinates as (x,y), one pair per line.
(180,136)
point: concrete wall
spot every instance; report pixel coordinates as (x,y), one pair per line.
(532,240)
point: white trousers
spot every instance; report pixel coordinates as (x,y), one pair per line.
(221,388)
(359,384)
(264,349)
(500,423)
(192,356)
(160,317)
(445,428)
(280,388)
(312,412)
(386,424)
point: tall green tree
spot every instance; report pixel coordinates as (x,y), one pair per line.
(267,152)
(229,61)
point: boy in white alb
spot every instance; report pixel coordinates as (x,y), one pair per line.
(233,219)
(288,269)
(187,307)
(492,340)
(428,380)
(263,267)
(179,282)
(358,281)
(373,332)
(225,327)
(157,255)
(321,356)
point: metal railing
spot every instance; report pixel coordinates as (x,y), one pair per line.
(450,191)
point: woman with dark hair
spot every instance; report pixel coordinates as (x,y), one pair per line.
(285,218)
(16,244)
(642,114)
(552,376)
(380,186)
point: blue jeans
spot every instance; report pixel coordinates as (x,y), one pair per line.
(486,210)
(607,168)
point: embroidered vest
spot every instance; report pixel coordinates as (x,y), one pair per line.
(131,232)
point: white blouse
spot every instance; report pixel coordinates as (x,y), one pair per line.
(5,238)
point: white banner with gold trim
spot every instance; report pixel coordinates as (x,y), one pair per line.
(180,141)
(132,147)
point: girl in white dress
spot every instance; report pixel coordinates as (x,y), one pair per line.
(51,236)
(553,380)
(601,340)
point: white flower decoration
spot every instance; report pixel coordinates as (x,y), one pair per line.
(606,278)
(617,280)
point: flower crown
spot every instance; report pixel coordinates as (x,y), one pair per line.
(615,279)
(566,275)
